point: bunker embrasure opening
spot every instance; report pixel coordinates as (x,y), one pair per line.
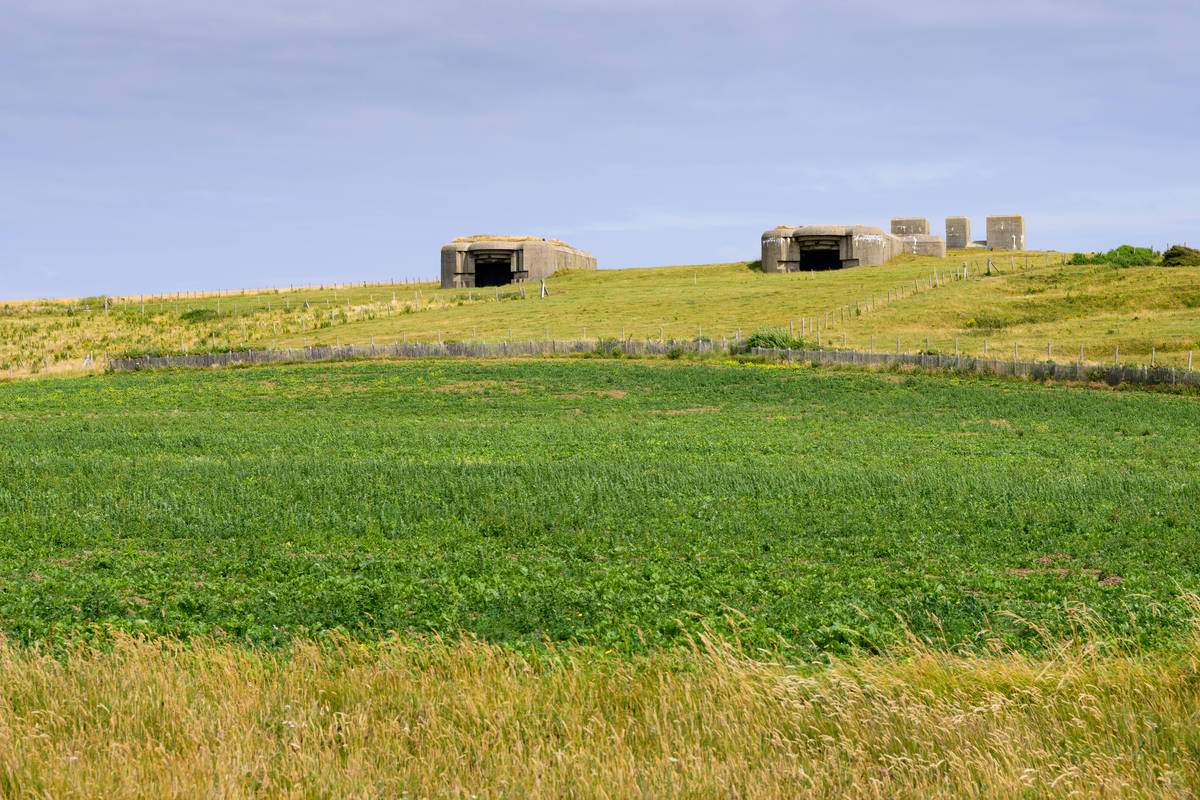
(819,258)
(494,267)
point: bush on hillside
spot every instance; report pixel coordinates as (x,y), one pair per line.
(1130,256)
(776,338)
(1124,256)
(1181,256)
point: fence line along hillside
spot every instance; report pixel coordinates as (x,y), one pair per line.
(962,305)
(1112,374)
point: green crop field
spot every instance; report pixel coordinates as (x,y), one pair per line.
(596,577)
(615,503)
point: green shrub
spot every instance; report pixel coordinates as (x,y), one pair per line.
(675,353)
(1130,256)
(1180,256)
(198,315)
(776,338)
(1124,256)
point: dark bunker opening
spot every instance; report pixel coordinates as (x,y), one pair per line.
(820,259)
(493,267)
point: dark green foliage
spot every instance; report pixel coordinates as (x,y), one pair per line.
(1180,256)
(1124,256)
(611,502)
(774,337)
(198,315)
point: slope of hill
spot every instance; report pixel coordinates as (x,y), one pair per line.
(1033,301)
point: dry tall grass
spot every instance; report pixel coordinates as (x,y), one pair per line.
(160,718)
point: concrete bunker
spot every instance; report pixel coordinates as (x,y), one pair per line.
(1006,232)
(958,233)
(478,261)
(822,247)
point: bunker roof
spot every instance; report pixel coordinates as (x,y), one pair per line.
(822,230)
(484,238)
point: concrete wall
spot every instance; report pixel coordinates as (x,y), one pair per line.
(924,245)
(958,233)
(1006,232)
(907,225)
(532,259)
(784,249)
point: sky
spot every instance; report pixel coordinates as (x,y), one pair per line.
(158,146)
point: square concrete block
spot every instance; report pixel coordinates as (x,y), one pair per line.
(1006,232)
(958,233)
(902,226)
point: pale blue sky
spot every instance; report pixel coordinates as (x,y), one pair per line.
(162,145)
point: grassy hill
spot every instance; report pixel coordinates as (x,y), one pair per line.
(1034,300)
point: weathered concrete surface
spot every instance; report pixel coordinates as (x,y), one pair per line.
(804,247)
(1006,232)
(958,233)
(475,261)
(923,244)
(906,225)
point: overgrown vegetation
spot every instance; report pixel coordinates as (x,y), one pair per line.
(329,719)
(1124,256)
(1180,256)
(774,337)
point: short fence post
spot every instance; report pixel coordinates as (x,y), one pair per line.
(1189,360)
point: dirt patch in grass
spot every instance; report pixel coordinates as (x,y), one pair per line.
(615,393)
(478,387)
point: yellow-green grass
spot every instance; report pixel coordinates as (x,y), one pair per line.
(463,719)
(1137,314)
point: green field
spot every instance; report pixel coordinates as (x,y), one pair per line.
(616,503)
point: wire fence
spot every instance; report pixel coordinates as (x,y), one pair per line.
(1113,374)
